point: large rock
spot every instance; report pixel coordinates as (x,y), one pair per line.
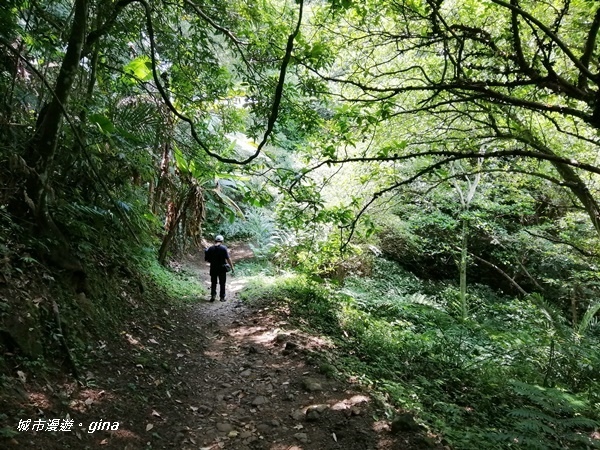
(224,427)
(313,412)
(260,400)
(302,437)
(312,385)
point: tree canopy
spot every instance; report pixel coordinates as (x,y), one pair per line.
(458,139)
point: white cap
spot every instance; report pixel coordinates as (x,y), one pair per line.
(218,238)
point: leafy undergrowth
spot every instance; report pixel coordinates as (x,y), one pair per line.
(507,376)
(56,326)
(126,374)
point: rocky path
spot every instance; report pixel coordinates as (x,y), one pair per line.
(259,391)
(211,376)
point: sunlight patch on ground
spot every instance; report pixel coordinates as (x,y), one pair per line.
(350,402)
(133,341)
(316,342)
(39,400)
(124,434)
(381,426)
(258,335)
(87,398)
(214,355)
(235,285)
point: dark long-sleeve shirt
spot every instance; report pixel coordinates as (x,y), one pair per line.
(217,255)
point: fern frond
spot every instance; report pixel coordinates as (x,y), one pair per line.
(532,426)
(550,400)
(531,415)
(552,315)
(80,210)
(579,422)
(138,120)
(588,319)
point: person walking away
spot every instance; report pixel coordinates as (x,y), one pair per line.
(218,256)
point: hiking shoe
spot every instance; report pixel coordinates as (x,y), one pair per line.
(212,299)
(223,299)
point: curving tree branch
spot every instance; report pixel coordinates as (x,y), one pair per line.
(213,24)
(555,240)
(456,155)
(588,51)
(276,98)
(548,32)
(563,166)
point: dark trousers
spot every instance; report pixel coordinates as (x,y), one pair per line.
(222,278)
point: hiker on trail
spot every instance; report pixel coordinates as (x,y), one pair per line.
(220,263)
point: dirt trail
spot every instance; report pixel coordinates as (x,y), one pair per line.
(211,376)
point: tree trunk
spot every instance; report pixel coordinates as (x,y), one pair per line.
(42,148)
(570,176)
(581,191)
(173,220)
(41,151)
(163,177)
(464,307)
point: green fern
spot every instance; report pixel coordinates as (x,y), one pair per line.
(550,418)
(554,317)
(548,398)
(588,320)
(138,120)
(580,422)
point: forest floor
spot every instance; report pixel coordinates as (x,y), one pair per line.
(205,376)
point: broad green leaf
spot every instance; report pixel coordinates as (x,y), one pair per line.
(140,67)
(103,123)
(182,164)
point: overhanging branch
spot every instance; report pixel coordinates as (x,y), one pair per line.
(276,99)
(455,155)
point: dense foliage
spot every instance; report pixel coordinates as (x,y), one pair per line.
(427,168)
